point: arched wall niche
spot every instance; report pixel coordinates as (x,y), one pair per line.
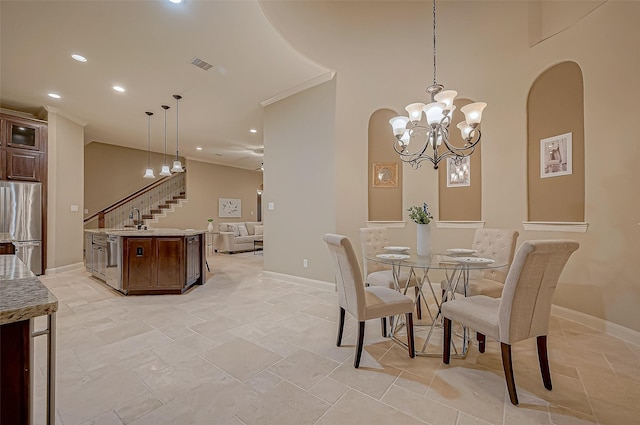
(385,170)
(555,151)
(460,199)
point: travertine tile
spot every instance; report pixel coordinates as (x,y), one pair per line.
(285,404)
(303,368)
(246,350)
(357,408)
(242,359)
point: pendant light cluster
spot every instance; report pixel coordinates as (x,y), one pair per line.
(177,165)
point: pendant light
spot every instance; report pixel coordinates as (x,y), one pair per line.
(165,168)
(177,166)
(148,173)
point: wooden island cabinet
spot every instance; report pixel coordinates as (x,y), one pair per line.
(159,261)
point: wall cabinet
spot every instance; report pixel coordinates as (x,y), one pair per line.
(23,133)
(23,165)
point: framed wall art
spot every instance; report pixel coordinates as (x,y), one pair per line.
(385,174)
(229,207)
(556,156)
(459,175)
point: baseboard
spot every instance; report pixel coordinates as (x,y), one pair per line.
(67,268)
(613,329)
(297,280)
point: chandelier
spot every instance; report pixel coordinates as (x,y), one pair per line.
(432,132)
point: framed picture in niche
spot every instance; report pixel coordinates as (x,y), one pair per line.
(385,174)
(229,207)
(459,175)
(556,156)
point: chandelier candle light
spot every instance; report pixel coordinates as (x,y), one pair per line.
(435,132)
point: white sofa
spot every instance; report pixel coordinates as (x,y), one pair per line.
(238,236)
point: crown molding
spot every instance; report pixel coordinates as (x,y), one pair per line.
(323,78)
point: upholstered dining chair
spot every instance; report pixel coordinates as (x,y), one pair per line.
(497,244)
(522,312)
(374,240)
(364,303)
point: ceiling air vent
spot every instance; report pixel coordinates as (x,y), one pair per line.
(201,64)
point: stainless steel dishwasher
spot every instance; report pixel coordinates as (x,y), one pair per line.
(114,262)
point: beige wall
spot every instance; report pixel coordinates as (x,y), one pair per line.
(498,68)
(385,203)
(113,172)
(205,184)
(301,183)
(65,188)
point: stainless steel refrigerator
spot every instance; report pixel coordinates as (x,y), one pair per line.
(21,219)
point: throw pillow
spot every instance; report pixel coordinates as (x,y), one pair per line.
(259,230)
(242,229)
(234,228)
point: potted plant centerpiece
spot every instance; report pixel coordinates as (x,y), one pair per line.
(422,217)
(210,225)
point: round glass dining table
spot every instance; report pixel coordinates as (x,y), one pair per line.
(457,267)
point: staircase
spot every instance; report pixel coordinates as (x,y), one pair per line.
(153,201)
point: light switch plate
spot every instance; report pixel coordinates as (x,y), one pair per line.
(271,205)
(74,208)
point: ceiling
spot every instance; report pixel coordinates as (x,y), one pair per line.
(147,47)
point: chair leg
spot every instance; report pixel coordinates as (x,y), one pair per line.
(383,325)
(508,372)
(543,358)
(418,303)
(356,362)
(340,327)
(446,343)
(410,345)
(482,342)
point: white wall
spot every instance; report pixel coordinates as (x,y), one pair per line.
(65,188)
(300,180)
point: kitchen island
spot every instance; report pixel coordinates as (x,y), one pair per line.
(22,298)
(146,262)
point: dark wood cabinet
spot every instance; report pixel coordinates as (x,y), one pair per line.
(7,248)
(24,165)
(170,262)
(23,133)
(14,370)
(154,265)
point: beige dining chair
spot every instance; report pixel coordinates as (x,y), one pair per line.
(364,303)
(374,240)
(498,245)
(522,312)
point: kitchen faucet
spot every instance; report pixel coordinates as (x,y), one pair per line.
(139,222)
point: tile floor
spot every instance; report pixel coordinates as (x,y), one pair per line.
(246,350)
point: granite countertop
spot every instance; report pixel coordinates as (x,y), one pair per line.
(149,232)
(22,295)
(5,238)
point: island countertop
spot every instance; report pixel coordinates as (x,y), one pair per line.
(22,295)
(148,232)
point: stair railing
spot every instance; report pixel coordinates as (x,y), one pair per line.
(157,196)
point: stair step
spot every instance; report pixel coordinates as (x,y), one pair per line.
(126,226)
(180,197)
(158,211)
(171,201)
(147,216)
(164,206)
(135,222)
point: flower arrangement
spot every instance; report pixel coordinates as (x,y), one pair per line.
(420,215)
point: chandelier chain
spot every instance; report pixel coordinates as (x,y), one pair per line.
(434,42)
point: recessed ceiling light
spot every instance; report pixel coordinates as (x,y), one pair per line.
(79,58)
(176,1)
(55,95)
(198,148)
(118,89)
(253,130)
